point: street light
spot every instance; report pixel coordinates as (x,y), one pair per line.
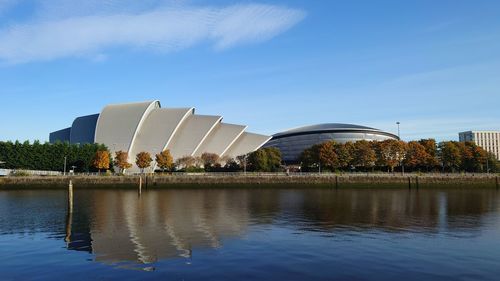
(400,161)
(65,158)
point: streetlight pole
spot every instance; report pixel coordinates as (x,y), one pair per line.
(400,161)
(64,173)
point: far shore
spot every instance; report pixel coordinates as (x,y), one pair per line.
(330,180)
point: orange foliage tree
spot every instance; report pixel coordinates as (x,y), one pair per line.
(164,160)
(143,160)
(101,160)
(121,160)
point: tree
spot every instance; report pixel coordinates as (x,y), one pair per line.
(344,154)
(265,159)
(327,155)
(209,160)
(364,155)
(121,160)
(185,162)
(450,155)
(143,160)
(309,158)
(432,151)
(101,160)
(164,160)
(391,153)
(416,155)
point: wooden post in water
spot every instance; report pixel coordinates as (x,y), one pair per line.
(409,182)
(140,185)
(336,182)
(69,214)
(70,197)
(416,181)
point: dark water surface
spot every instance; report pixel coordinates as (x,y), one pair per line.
(251,234)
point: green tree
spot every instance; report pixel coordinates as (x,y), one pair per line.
(450,155)
(265,159)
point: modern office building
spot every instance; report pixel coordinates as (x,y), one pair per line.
(488,140)
(146,126)
(293,142)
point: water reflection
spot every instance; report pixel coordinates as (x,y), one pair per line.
(118,226)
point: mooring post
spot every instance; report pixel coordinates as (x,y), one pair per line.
(70,197)
(416,181)
(140,185)
(409,182)
(69,214)
(336,182)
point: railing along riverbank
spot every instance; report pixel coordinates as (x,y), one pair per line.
(335,180)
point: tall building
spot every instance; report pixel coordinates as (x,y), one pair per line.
(488,140)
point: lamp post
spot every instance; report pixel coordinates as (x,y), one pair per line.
(400,161)
(64,173)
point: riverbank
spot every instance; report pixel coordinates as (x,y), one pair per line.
(214,179)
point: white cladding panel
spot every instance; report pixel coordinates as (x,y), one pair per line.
(220,139)
(157,130)
(246,143)
(191,134)
(118,124)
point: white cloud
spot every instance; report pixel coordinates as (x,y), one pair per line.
(163,28)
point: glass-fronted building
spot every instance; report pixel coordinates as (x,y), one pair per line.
(293,142)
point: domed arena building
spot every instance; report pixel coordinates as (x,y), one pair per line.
(146,126)
(293,142)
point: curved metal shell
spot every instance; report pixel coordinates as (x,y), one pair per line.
(119,124)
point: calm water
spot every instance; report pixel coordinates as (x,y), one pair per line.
(243,234)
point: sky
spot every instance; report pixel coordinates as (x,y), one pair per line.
(432,65)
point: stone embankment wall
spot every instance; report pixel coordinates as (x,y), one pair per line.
(235,180)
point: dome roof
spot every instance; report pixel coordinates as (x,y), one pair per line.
(328,127)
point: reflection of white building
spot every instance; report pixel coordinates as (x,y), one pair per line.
(145,126)
(488,140)
(163,224)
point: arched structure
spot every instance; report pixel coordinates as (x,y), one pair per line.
(145,126)
(294,141)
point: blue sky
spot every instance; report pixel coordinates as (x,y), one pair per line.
(432,65)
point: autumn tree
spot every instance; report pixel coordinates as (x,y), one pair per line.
(327,155)
(344,154)
(185,162)
(432,153)
(364,155)
(209,160)
(416,155)
(143,160)
(101,160)
(164,160)
(309,158)
(450,155)
(121,160)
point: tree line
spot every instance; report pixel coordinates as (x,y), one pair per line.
(423,155)
(47,156)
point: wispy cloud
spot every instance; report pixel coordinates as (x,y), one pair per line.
(160,28)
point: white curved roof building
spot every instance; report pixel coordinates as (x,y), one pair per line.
(146,126)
